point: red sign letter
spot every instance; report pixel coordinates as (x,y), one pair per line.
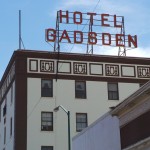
(120,40)
(133,41)
(91,17)
(92,38)
(115,22)
(50,33)
(65,36)
(63,16)
(106,37)
(78,37)
(76,19)
(103,19)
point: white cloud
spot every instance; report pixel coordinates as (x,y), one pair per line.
(75,4)
(107,50)
(136,21)
(137,52)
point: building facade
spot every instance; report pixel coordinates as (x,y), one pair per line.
(125,127)
(35,82)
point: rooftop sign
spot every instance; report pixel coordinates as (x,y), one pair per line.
(104,29)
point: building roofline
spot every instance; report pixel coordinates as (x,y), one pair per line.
(81,54)
(145,89)
(73,56)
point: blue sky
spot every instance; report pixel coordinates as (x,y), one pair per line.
(38,15)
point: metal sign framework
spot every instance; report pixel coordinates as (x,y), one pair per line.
(86,38)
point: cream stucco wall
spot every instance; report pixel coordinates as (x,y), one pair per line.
(95,105)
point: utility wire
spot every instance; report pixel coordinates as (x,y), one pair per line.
(49,44)
(96,5)
(81,30)
(86,23)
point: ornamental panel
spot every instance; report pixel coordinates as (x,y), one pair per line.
(80,68)
(96,69)
(47,66)
(64,67)
(33,65)
(128,71)
(112,70)
(143,72)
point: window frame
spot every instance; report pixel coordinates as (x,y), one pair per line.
(84,92)
(47,147)
(12,93)
(79,130)
(51,127)
(116,92)
(11,126)
(51,89)
(5,135)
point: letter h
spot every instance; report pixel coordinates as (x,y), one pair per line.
(63,16)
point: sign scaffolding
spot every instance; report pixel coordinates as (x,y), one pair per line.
(111,27)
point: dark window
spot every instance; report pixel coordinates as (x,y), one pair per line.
(10,126)
(113,91)
(81,121)
(46,147)
(0,113)
(12,93)
(4,110)
(47,88)
(4,135)
(80,89)
(47,121)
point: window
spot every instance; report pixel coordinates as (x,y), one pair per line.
(47,121)
(80,89)
(46,147)
(0,113)
(12,93)
(10,126)
(4,135)
(81,121)
(47,88)
(4,110)
(113,91)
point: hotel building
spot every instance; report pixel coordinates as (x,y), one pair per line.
(36,82)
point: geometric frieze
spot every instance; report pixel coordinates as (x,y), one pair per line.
(38,65)
(112,70)
(46,66)
(143,72)
(128,71)
(80,68)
